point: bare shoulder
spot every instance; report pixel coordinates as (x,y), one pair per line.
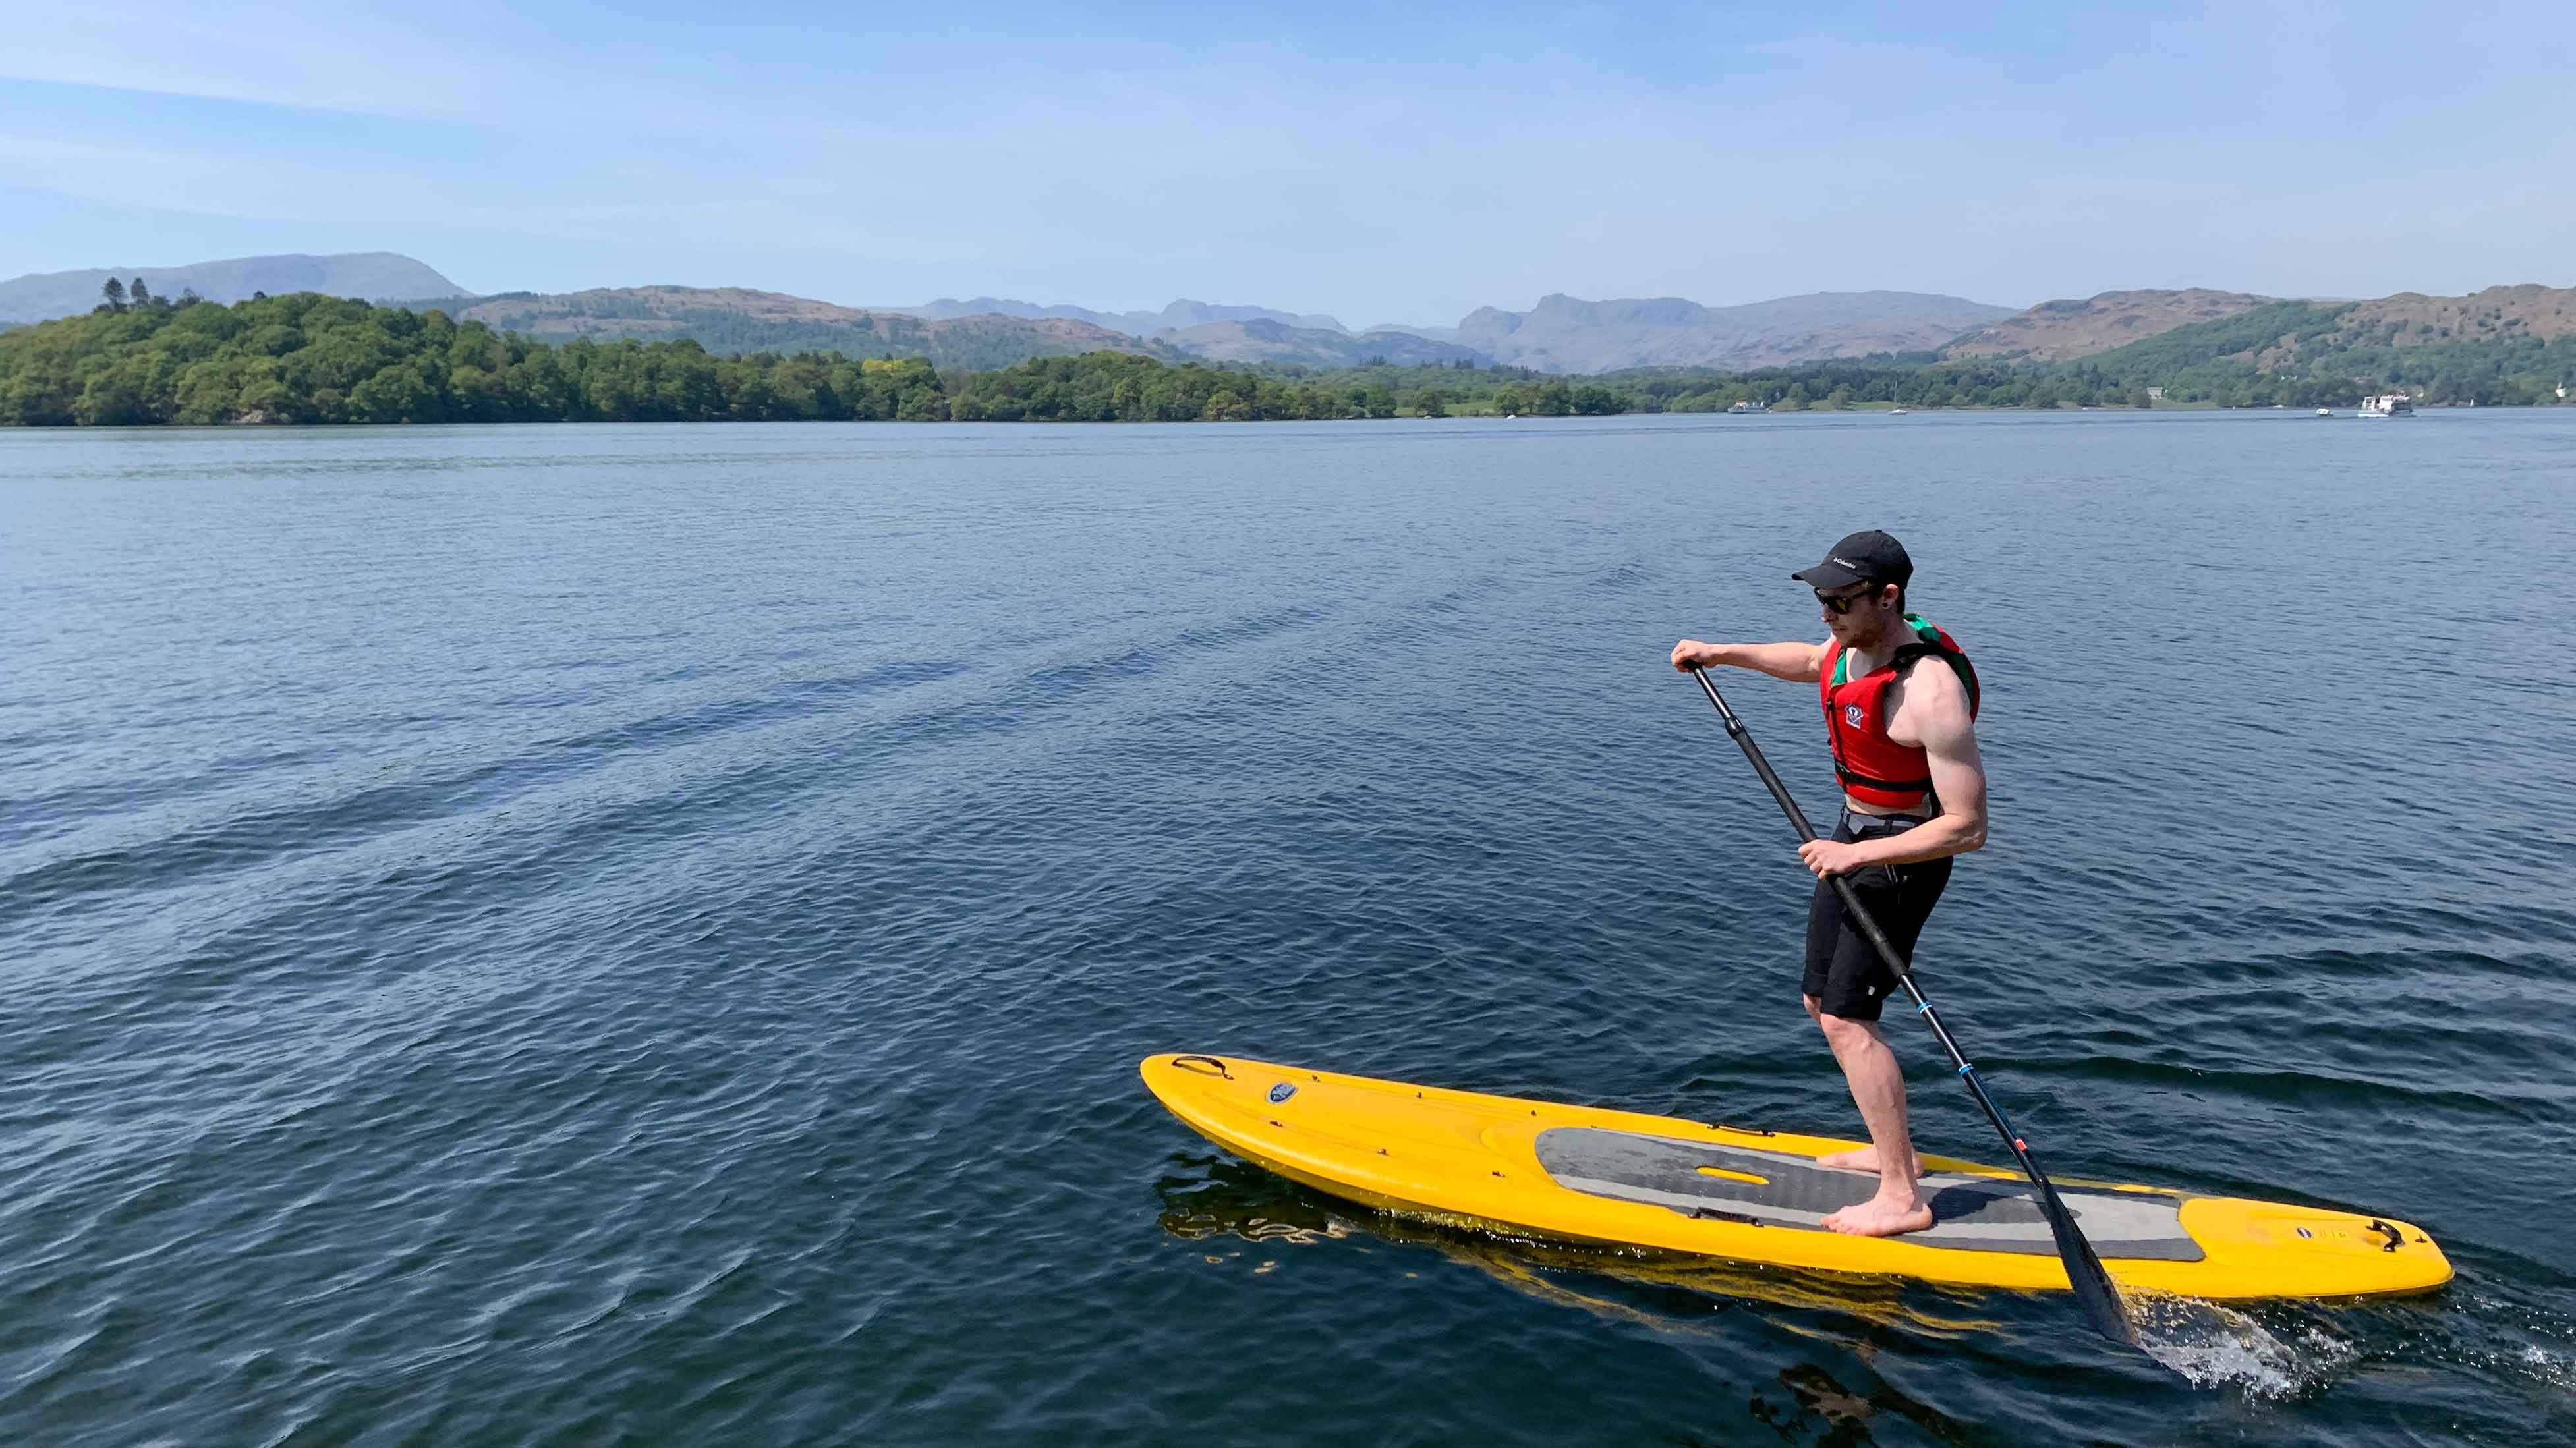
(1928,702)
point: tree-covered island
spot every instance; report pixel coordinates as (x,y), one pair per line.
(140,359)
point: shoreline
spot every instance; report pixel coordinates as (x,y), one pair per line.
(291,425)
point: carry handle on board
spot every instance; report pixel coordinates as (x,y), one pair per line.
(2093,1289)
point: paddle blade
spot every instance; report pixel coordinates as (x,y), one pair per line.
(2093,1290)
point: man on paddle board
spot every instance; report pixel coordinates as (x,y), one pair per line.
(1904,743)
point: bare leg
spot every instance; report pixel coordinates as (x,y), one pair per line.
(1878,1088)
(1864,1158)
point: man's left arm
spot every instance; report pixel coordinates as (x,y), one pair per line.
(1934,709)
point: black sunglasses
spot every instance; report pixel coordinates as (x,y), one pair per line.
(1841,603)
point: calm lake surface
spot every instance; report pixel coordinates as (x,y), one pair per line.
(591,935)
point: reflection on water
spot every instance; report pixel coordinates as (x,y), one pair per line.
(2275,1350)
(1211,1195)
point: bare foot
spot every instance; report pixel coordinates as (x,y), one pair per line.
(1882,1216)
(1864,1159)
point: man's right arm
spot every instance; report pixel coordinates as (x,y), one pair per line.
(1799,663)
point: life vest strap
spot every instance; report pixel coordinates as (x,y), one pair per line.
(1854,777)
(1856,724)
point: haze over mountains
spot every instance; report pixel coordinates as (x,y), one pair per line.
(1264,340)
(728,320)
(1561,334)
(375,276)
(1180,314)
(1568,334)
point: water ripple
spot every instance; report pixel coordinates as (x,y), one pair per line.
(596,934)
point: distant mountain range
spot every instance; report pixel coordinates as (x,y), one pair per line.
(1179,315)
(2149,330)
(1264,340)
(2063,330)
(1561,334)
(368,275)
(2447,346)
(733,320)
(1568,334)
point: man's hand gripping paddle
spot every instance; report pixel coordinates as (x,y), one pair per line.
(2093,1289)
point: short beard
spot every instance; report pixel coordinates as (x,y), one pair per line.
(1882,627)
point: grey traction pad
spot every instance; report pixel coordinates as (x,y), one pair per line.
(1970,1214)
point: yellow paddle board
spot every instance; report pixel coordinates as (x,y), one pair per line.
(1580,1174)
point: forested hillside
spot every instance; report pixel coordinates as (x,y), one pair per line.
(2068,328)
(313,359)
(2504,347)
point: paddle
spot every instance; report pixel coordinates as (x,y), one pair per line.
(2093,1289)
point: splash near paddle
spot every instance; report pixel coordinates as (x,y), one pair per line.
(1585,1175)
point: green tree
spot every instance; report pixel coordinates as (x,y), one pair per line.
(114,292)
(400,393)
(475,395)
(136,388)
(1594,400)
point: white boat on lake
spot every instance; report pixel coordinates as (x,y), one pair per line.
(2388,404)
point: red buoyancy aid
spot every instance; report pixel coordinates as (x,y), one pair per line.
(1873,767)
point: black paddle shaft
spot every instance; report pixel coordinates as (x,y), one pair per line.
(2093,1289)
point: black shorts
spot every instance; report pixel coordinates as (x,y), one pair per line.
(1844,972)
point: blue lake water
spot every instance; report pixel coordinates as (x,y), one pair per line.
(593,935)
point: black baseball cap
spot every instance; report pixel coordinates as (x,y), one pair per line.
(1871,557)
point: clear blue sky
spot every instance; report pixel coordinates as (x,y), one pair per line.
(1400,162)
